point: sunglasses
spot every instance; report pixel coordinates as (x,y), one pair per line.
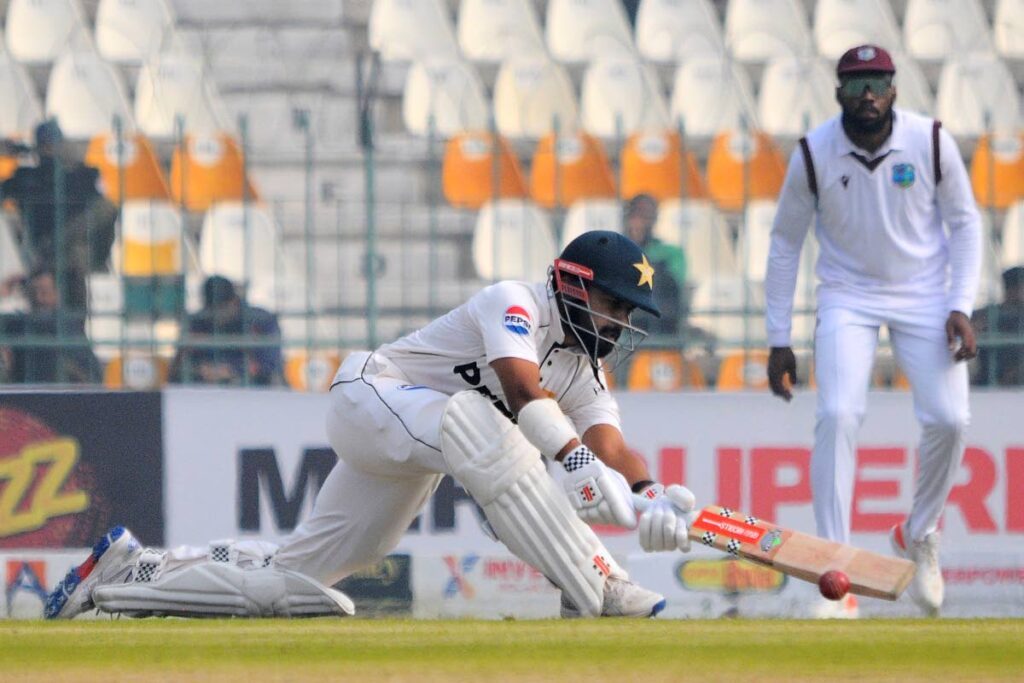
(854,87)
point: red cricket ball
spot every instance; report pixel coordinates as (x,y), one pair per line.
(834,584)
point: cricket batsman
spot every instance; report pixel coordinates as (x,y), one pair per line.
(481,394)
(880,183)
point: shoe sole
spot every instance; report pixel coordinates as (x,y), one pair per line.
(62,595)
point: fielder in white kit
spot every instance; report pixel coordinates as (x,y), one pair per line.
(879,182)
(441,401)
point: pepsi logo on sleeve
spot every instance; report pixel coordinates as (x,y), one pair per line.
(517,320)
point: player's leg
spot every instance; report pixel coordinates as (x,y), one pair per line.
(844,350)
(940,391)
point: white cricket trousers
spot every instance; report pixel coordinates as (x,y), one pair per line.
(844,349)
(387,437)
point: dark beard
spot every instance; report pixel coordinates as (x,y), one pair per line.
(594,346)
(867,127)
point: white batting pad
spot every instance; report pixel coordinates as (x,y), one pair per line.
(505,474)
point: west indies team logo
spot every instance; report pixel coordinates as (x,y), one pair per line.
(903,175)
(517,320)
(46,499)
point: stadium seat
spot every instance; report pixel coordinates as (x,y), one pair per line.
(1013,236)
(20,109)
(914,92)
(38,31)
(443,96)
(997,170)
(136,370)
(569,169)
(85,94)
(796,95)
(173,85)
(582,30)
(702,232)
(494,30)
(151,240)
(660,370)
(311,371)
(8,165)
(936,30)
(591,214)
(130,31)
(621,96)
(655,162)
(990,284)
(404,31)
(755,237)
(672,31)
(143,178)
(513,241)
(709,94)
(11,261)
(532,97)
(841,24)
(743,370)
(742,167)
(208,169)
(468,170)
(758,30)
(976,95)
(306,12)
(1008,29)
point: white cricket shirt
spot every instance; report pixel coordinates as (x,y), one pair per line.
(880,232)
(505,320)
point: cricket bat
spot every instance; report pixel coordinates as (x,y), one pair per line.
(800,555)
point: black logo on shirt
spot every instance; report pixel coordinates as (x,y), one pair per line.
(845,180)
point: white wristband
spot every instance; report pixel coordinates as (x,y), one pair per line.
(545,426)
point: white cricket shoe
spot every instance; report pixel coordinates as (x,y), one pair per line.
(111,560)
(844,608)
(927,588)
(622,598)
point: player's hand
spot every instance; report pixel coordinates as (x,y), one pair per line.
(663,517)
(599,494)
(960,336)
(781,363)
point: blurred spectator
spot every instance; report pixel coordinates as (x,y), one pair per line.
(1003,364)
(225,319)
(68,226)
(669,263)
(61,355)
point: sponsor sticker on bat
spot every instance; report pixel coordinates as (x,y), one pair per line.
(732,528)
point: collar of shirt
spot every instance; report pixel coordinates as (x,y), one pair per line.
(897,140)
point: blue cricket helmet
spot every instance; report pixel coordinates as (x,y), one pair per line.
(614,264)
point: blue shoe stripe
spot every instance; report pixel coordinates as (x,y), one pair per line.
(657,608)
(58,597)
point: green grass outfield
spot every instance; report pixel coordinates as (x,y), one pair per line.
(602,650)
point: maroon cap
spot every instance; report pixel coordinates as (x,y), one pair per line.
(865,58)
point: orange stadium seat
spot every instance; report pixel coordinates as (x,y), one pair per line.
(659,370)
(143,178)
(653,163)
(208,169)
(743,370)
(581,170)
(136,370)
(744,167)
(468,171)
(997,170)
(311,372)
(8,165)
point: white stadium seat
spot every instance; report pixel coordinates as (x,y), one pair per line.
(977,93)
(531,96)
(269,12)
(1013,236)
(620,96)
(711,93)
(703,233)
(582,30)
(85,94)
(1008,28)
(591,214)
(129,31)
(729,307)
(11,262)
(842,24)
(913,91)
(796,95)
(37,31)
(755,237)
(173,85)
(675,30)
(151,239)
(407,30)
(513,241)
(990,283)
(20,109)
(758,30)
(443,96)
(493,30)
(934,30)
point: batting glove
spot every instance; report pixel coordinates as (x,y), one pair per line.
(599,494)
(663,517)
